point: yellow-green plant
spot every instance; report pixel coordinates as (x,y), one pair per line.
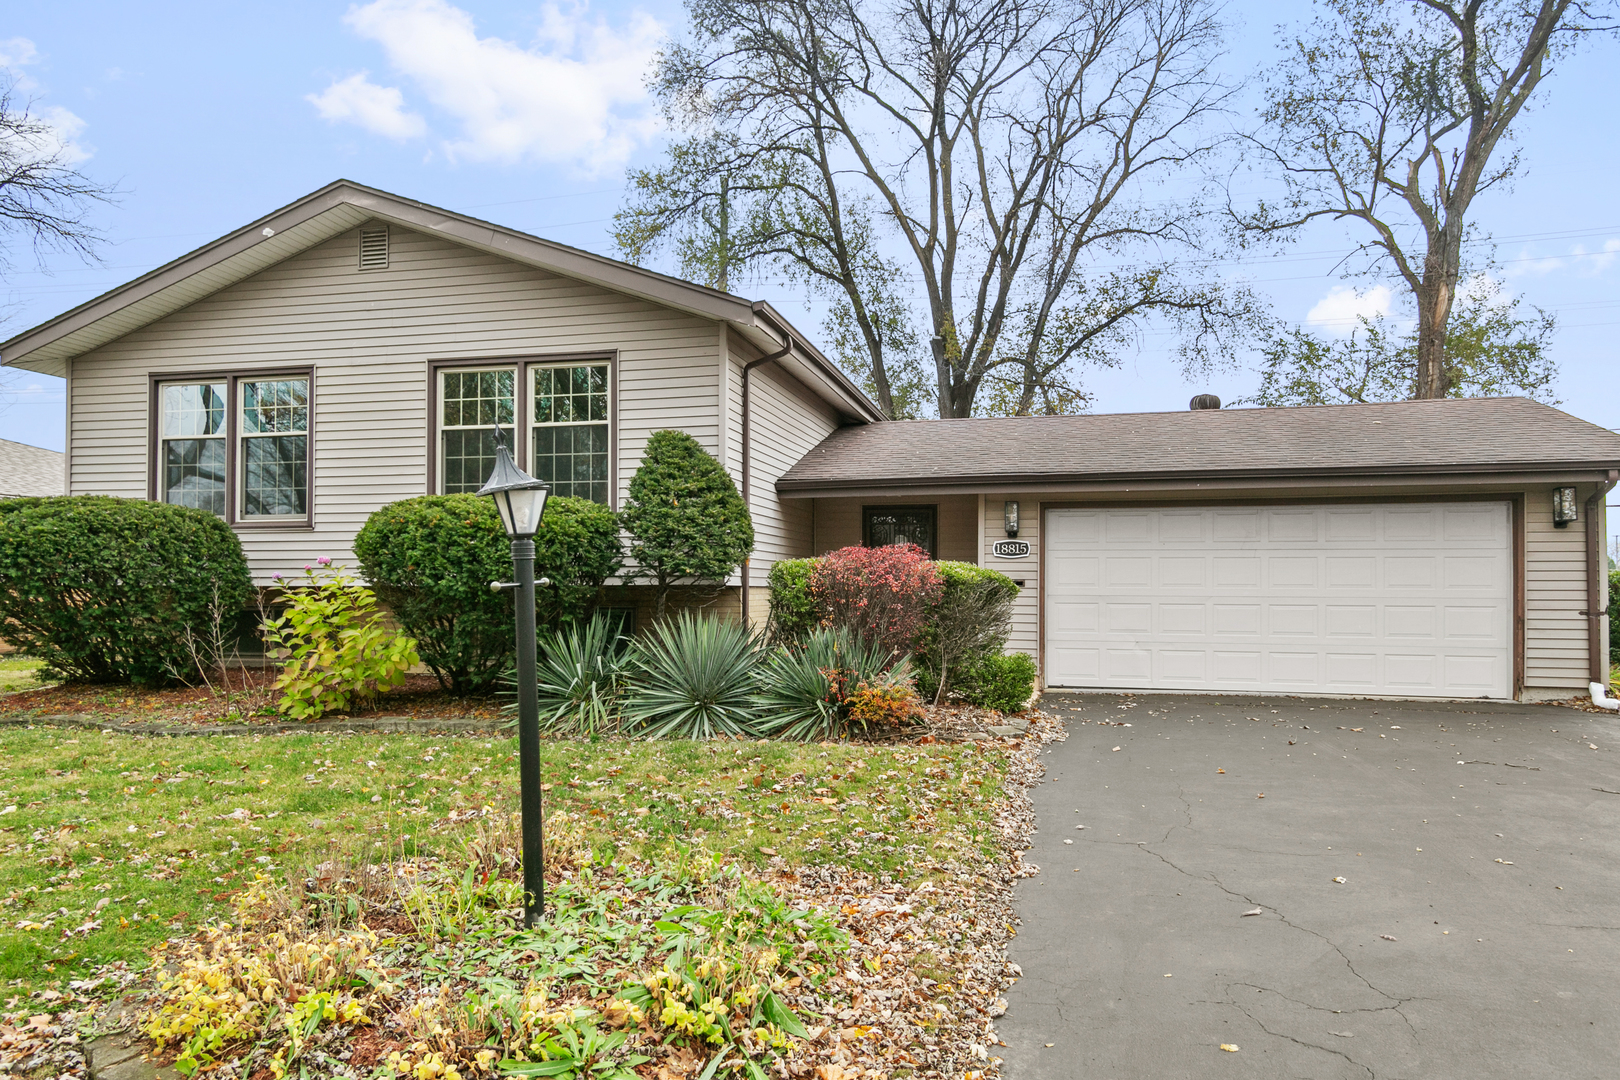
(340,652)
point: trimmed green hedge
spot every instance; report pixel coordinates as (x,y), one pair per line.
(793,613)
(1002,682)
(431,559)
(1614,618)
(116,590)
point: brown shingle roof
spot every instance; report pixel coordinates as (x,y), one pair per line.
(1448,436)
(29,470)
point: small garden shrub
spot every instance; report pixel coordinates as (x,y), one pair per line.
(793,610)
(830,683)
(970,622)
(881,595)
(341,654)
(431,560)
(1003,682)
(693,677)
(112,590)
(581,671)
(685,518)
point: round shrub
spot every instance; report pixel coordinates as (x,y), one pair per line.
(115,590)
(1003,682)
(971,621)
(431,559)
(882,595)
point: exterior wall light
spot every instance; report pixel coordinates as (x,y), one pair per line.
(1009,516)
(1565,508)
(521,500)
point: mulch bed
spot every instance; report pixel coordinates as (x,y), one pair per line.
(419,698)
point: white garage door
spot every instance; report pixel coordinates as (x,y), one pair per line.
(1404,599)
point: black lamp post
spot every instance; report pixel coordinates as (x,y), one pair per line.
(521,500)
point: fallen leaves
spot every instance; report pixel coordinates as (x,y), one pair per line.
(1256,911)
(1231,1048)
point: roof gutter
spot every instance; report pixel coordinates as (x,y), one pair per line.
(1596,594)
(748,452)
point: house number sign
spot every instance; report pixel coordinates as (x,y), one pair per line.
(1010,549)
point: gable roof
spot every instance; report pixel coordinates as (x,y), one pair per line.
(29,470)
(344,205)
(1446,436)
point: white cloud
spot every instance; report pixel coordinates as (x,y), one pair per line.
(1341,310)
(17,51)
(62,127)
(1583,262)
(378,109)
(575,94)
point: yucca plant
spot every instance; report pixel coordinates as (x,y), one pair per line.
(693,677)
(580,675)
(806,688)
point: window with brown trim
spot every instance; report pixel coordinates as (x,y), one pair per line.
(555,414)
(885,525)
(235,445)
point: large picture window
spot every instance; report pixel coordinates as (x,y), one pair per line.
(563,416)
(236,446)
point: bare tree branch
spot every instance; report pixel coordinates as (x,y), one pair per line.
(983,157)
(1383,112)
(43,199)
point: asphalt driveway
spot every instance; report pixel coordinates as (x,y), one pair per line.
(1438,888)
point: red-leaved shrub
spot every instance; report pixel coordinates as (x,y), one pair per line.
(882,595)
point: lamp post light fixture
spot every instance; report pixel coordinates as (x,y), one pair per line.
(1009,516)
(521,500)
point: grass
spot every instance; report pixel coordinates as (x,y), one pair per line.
(111,843)
(19,673)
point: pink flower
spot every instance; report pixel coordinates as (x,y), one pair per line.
(308,568)
(275,577)
(324,561)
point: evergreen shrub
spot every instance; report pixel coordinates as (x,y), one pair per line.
(686,521)
(793,609)
(1003,682)
(114,590)
(431,559)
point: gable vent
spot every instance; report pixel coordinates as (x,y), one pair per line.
(374,249)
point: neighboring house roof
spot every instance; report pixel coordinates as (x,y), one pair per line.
(1446,436)
(344,205)
(29,470)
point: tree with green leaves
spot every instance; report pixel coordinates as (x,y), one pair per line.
(686,521)
(1491,351)
(1394,116)
(978,160)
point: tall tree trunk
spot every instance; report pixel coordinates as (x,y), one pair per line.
(1435,295)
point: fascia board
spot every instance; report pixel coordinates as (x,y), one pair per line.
(1301,486)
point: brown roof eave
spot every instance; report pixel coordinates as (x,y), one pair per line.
(838,487)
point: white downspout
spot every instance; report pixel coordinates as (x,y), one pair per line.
(1597,593)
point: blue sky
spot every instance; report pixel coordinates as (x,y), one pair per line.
(209,115)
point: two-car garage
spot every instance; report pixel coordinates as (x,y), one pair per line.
(1404,599)
(1418,549)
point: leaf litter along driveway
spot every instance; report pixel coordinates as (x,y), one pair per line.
(1437,890)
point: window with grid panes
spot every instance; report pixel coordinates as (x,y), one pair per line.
(471,405)
(191,428)
(569,432)
(275,447)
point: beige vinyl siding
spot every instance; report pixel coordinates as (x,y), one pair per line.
(371,335)
(1555,563)
(786,422)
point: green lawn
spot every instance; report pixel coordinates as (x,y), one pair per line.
(110,843)
(19,673)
